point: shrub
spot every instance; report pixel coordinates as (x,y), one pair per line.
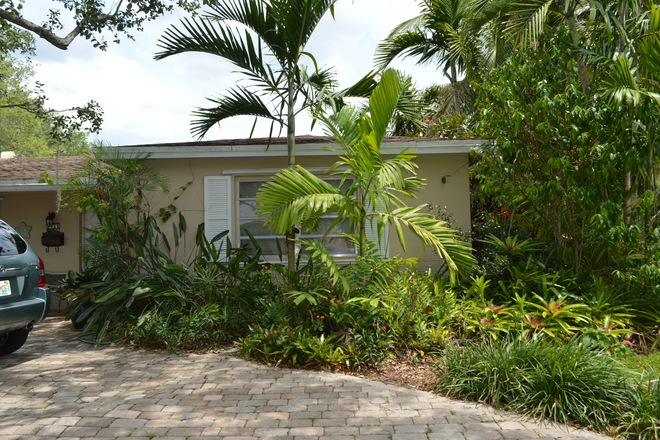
(642,419)
(565,383)
(205,327)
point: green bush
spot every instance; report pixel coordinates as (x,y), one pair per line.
(642,418)
(205,327)
(565,383)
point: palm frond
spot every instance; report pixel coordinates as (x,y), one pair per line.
(203,35)
(239,102)
(433,232)
(255,15)
(295,195)
(527,19)
(342,126)
(619,84)
(412,44)
(383,102)
(317,249)
(296,21)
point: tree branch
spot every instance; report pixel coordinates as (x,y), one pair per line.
(48,35)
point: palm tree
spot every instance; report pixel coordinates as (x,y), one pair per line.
(297,196)
(282,28)
(442,35)
(631,81)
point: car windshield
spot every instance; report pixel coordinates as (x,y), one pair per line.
(11,243)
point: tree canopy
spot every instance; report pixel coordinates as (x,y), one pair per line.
(27,126)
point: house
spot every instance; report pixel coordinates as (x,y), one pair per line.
(226,175)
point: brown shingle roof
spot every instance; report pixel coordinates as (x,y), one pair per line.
(30,168)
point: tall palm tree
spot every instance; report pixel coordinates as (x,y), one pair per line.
(280,27)
(297,196)
(630,81)
(442,35)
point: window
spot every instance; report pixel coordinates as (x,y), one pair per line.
(338,245)
(10,242)
(223,212)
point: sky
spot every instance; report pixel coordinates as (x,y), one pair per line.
(147,101)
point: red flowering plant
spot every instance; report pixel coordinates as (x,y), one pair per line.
(560,316)
(608,335)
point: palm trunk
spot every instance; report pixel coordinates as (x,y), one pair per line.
(362,233)
(291,153)
(649,176)
(648,187)
(454,84)
(627,195)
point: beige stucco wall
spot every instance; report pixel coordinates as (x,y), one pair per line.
(454,193)
(32,208)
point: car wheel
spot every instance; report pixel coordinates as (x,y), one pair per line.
(12,341)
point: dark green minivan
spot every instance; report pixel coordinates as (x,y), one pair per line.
(24,298)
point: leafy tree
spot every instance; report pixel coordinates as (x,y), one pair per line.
(297,196)
(630,86)
(27,127)
(552,161)
(115,189)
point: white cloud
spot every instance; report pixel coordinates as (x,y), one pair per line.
(147,101)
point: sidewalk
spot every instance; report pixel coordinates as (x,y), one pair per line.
(56,386)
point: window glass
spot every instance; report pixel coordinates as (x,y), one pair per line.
(11,243)
(336,244)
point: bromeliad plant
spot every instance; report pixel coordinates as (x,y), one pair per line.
(296,196)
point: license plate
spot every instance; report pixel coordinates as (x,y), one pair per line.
(5,290)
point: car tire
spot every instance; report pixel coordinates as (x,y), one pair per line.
(12,341)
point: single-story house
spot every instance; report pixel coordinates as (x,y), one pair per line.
(225,176)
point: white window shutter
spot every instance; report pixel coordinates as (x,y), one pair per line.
(217,208)
(89,221)
(371,229)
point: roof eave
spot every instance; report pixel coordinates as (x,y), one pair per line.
(201,151)
(8,186)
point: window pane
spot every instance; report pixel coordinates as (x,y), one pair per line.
(11,243)
(247,209)
(255,227)
(325,223)
(248,190)
(268,246)
(339,246)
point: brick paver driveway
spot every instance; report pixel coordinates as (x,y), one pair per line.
(56,386)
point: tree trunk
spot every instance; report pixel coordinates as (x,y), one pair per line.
(291,153)
(362,232)
(647,187)
(454,85)
(627,195)
(650,176)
